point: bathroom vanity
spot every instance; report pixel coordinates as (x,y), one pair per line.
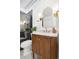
(45,45)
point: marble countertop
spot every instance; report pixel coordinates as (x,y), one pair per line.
(46,34)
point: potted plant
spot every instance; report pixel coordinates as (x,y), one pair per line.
(27,29)
(33,29)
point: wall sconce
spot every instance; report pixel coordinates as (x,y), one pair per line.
(55,13)
(40,17)
(22,22)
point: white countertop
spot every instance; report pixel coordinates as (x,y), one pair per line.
(46,34)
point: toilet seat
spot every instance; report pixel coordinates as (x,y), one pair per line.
(26,43)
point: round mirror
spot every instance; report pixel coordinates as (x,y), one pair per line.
(47,12)
(47,17)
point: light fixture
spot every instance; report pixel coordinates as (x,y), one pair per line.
(55,13)
(56,10)
(24,22)
(21,23)
(40,16)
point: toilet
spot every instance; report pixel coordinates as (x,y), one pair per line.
(27,46)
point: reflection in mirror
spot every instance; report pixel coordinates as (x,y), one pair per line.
(47,12)
(48,18)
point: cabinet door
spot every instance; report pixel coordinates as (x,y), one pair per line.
(35,44)
(53,46)
(44,47)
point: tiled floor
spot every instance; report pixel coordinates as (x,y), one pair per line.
(21,55)
(25,57)
(28,56)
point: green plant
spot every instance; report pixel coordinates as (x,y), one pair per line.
(27,29)
(33,29)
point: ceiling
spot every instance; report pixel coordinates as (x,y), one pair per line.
(23,15)
(26,4)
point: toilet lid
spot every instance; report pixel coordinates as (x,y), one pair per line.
(26,43)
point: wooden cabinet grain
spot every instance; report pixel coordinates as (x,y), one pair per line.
(44,46)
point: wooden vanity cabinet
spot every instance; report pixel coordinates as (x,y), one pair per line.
(44,46)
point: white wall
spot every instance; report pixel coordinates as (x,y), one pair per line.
(40,6)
